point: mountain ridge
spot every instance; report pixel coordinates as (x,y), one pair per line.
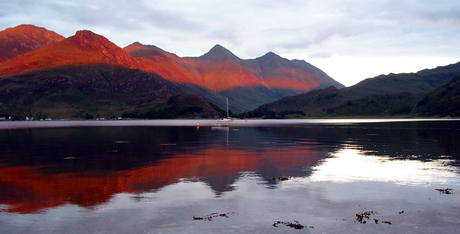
(216,74)
(219,53)
(84,48)
(97,75)
(248,72)
(429,92)
(247,82)
(24,38)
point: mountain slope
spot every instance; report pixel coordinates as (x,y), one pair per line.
(278,72)
(167,65)
(394,94)
(84,48)
(85,76)
(24,38)
(440,102)
(217,74)
(270,70)
(421,81)
(97,90)
(220,54)
(313,103)
(443,101)
(248,83)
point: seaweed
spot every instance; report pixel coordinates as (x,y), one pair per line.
(295,224)
(445,191)
(364,215)
(361,218)
(281,178)
(210,216)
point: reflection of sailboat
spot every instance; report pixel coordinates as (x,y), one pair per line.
(222,127)
(227,119)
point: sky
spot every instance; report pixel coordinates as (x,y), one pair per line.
(350,40)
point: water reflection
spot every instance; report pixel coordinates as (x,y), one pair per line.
(91,172)
(155,179)
(351,165)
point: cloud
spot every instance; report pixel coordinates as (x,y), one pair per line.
(321,54)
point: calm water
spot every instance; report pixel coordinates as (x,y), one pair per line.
(259,176)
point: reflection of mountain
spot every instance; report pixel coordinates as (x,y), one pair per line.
(44,168)
(28,189)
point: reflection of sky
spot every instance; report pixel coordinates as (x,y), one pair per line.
(350,165)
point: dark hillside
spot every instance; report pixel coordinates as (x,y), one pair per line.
(313,103)
(422,81)
(389,95)
(443,101)
(84,91)
(376,105)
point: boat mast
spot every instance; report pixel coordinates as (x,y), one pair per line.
(227,107)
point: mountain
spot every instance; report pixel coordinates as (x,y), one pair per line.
(442,101)
(86,76)
(96,91)
(421,81)
(24,38)
(278,72)
(216,75)
(270,70)
(167,65)
(390,95)
(313,103)
(220,54)
(221,70)
(219,73)
(84,48)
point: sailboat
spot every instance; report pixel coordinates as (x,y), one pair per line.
(227,119)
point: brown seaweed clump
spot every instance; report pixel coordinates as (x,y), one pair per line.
(210,216)
(365,215)
(445,191)
(281,178)
(295,224)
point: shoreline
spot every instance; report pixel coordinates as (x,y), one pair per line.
(5,125)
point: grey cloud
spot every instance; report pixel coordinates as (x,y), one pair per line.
(287,38)
(320,54)
(120,15)
(96,16)
(435,10)
(227,34)
(291,45)
(171,21)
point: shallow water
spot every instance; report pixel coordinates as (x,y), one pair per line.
(175,177)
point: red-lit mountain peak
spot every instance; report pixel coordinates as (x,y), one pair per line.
(24,38)
(278,72)
(147,51)
(219,54)
(221,70)
(167,65)
(84,48)
(104,50)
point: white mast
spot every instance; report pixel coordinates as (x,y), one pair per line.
(227,109)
